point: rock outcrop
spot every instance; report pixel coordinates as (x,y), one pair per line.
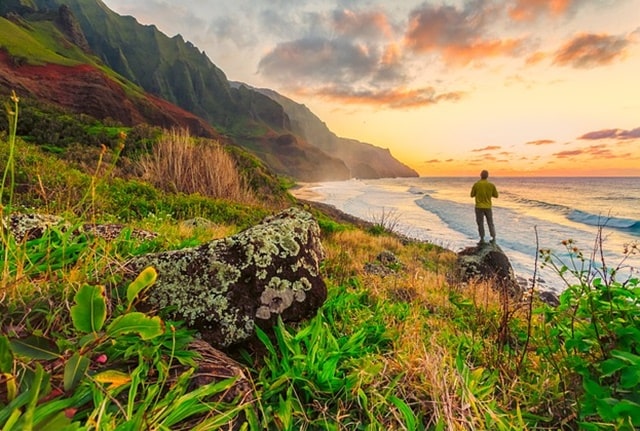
(27,227)
(486,262)
(70,27)
(226,287)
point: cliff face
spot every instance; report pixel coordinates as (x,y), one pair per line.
(363,160)
(82,87)
(166,82)
(169,68)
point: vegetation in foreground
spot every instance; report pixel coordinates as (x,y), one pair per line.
(399,348)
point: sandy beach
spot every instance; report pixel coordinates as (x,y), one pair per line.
(304,191)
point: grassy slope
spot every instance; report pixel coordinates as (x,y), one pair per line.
(36,44)
(397,349)
(394,347)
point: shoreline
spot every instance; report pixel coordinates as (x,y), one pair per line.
(305,196)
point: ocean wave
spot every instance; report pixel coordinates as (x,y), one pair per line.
(538,203)
(419,190)
(624,224)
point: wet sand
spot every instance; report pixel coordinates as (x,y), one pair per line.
(303,191)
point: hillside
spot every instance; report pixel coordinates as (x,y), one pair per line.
(363,160)
(80,55)
(35,64)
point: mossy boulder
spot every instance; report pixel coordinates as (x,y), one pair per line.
(486,262)
(224,288)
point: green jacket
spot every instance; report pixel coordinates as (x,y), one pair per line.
(483,191)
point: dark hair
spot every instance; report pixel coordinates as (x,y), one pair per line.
(484,175)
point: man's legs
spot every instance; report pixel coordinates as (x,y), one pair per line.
(480,222)
(492,229)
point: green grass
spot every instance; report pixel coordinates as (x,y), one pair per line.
(38,44)
(405,350)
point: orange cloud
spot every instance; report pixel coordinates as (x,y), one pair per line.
(487,148)
(590,50)
(568,154)
(465,54)
(366,25)
(529,10)
(397,98)
(541,142)
(535,58)
(457,34)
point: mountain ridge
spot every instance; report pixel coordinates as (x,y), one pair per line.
(173,71)
(364,160)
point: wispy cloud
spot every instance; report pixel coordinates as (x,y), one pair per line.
(530,10)
(393,98)
(487,148)
(568,153)
(589,50)
(612,134)
(541,142)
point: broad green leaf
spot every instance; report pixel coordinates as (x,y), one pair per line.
(136,322)
(145,279)
(629,409)
(410,420)
(6,358)
(612,365)
(35,347)
(630,378)
(74,370)
(628,357)
(90,311)
(113,378)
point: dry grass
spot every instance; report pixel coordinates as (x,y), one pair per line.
(424,352)
(179,163)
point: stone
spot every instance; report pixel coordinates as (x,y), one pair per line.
(27,227)
(225,287)
(386,263)
(488,262)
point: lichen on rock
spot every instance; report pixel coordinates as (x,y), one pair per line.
(225,287)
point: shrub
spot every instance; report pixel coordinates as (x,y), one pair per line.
(595,331)
(179,163)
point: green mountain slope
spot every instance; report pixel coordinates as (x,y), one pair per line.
(170,68)
(363,160)
(140,60)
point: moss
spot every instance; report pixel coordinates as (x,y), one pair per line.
(225,284)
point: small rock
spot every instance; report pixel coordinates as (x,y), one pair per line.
(486,261)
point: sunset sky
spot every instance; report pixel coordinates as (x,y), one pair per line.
(525,87)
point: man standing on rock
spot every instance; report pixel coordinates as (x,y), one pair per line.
(483,191)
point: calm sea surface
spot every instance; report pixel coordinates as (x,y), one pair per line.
(439,210)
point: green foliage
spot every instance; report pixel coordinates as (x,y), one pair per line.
(326,373)
(37,44)
(91,387)
(57,249)
(596,333)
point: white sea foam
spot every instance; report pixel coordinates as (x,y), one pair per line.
(545,211)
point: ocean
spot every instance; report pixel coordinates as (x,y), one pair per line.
(546,211)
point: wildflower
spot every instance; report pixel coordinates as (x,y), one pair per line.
(14,97)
